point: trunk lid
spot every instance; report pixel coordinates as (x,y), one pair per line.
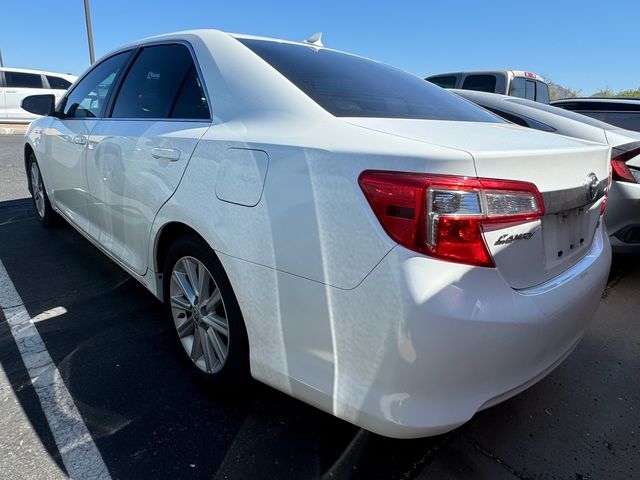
(572,176)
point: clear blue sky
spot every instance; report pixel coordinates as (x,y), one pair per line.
(578,44)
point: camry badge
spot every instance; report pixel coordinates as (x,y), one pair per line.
(591,185)
(508,238)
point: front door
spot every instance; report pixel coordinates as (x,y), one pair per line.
(139,154)
(68,142)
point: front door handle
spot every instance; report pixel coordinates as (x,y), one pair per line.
(11,91)
(171,154)
(80,140)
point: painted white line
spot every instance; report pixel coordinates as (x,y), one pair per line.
(79,453)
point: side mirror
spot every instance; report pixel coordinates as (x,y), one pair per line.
(39,104)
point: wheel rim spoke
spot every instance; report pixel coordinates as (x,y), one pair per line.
(213,301)
(179,301)
(196,346)
(209,353)
(187,328)
(203,282)
(192,275)
(218,323)
(183,282)
(218,346)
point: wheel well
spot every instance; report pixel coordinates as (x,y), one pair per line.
(28,151)
(168,235)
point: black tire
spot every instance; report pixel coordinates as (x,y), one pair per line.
(234,372)
(45,213)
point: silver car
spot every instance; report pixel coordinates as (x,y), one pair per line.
(623,208)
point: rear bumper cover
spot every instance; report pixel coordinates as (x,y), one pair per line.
(443,341)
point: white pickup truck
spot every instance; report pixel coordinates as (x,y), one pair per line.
(516,83)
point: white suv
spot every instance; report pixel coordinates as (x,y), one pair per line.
(18,83)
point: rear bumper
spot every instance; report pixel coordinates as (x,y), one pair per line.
(442,341)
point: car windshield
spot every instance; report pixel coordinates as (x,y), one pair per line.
(350,86)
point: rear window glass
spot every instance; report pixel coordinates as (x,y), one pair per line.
(23,80)
(628,120)
(517,87)
(542,92)
(350,86)
(445,81)
(480,83)
(563,113)
(530,90)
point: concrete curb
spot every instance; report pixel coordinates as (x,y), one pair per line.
(13,129)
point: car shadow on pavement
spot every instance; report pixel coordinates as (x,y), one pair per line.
(148,417)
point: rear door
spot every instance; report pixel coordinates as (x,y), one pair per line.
(138,155)
(19,85)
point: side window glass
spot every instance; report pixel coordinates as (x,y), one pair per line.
(191,102)
(530,90)
(517,88)
(88,98)
(445,81)
(542,92)
(480,83)
(23,80)
(58,83)
(162,83)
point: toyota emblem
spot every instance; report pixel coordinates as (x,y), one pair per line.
(592,186)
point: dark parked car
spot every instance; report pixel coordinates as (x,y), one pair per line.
(622,112)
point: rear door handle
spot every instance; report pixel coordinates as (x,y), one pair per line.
(80,140)
(171,154)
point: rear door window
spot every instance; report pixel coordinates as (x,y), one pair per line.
(23,80)
(162,83)
(444,81)
(58,83)
(480,83)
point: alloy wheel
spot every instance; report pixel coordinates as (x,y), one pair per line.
(38,189)
(199,314)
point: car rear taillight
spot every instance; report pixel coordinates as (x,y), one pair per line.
(619,157)
(442,216)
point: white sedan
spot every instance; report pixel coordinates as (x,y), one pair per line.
(339,229)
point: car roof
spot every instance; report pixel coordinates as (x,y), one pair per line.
(624,100)
(67,76)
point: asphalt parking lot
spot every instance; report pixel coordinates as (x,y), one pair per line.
(148,419)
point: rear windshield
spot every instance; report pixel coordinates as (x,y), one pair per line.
(350,86)
(563,113)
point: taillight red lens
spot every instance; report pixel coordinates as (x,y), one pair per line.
(620,156)
(442,216)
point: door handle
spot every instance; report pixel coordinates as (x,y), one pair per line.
(11,91)
(80,140)
(171,154)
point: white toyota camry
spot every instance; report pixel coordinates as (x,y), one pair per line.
(341,230)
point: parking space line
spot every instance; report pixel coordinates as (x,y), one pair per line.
(79,453)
